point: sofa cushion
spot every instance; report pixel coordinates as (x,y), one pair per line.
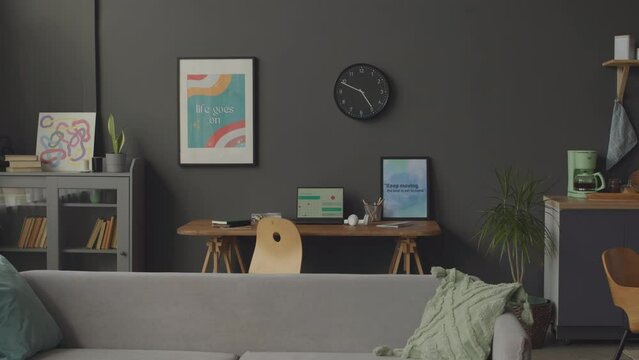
(25,325)
(250,355)
(117,354)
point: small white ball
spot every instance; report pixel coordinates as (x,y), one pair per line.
(352,220)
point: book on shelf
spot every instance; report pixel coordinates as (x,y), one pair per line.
(23,232)
(25,164)
(44,240)
(98,244)
(26,232)
(94,234)
(42,234)
(107,234)
(33,233)
(114,238)
(230,223)
(24,170)
(395,224)
(111,235)
(37,223)
(20,157)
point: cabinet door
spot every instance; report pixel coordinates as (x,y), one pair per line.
(23,222)
(584,296)
(94,223)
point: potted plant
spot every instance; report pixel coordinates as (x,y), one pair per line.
(513,228)
(116,161)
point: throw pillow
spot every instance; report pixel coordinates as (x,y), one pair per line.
(25,325)
(459,321)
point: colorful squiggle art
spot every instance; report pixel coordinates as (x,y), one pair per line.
(65,140)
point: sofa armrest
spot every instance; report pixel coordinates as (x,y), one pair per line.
(510,341)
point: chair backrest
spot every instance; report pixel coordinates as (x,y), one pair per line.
(621,266)
(622,271)
(278,248)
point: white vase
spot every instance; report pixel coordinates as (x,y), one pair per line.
(115,163)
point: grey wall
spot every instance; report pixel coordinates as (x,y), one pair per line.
(476,86)
(47,63)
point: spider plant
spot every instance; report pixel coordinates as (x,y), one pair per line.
(511,226)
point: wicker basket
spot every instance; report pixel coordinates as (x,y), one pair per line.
(542,316)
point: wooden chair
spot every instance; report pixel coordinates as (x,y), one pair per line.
(278,248)
(622,270)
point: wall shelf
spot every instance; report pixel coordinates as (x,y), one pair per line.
(623,70)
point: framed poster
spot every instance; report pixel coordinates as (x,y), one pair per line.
(405,188)
(217,111)
(65,140)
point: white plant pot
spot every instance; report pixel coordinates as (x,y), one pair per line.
(115,163)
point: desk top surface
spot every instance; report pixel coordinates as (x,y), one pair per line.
(415,229)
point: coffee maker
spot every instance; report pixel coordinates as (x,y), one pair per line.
(582,178)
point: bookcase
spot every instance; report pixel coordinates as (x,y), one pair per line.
(48,218)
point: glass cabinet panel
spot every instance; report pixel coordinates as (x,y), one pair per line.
(88,233)
(23,226)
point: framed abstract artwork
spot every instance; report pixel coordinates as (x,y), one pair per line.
(405,188)
(65,141)
(216,111)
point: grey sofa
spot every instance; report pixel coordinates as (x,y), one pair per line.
(138,316)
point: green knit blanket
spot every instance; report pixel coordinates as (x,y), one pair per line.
(459,321)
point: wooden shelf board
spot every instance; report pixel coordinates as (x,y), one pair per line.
(90,205)
(29,205)
(617,63)
(17,249)
(84,250)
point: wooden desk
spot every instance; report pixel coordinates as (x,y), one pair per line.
(223,241)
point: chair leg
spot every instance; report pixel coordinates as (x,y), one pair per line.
(621,345)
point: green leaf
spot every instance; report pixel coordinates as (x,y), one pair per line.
(111,126)
(121,140)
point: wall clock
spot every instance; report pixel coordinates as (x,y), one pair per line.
(361,91)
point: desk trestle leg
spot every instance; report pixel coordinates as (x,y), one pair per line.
(404,248)
(222,249)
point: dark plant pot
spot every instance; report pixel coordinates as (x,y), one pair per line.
(115,163)
(542,316)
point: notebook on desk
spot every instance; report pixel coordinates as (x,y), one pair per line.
(320,205)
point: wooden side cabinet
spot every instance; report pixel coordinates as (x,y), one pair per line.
(72,203)
(574,279)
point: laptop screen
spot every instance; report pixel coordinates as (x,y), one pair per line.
(320,203)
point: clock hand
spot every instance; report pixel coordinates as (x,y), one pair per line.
(365,98)
(352,87)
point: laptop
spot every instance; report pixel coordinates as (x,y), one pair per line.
(320,205)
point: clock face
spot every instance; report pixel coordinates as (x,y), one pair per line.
(361,91)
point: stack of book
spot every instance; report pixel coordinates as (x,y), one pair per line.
(23,163)
(34,233)
(103,235)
